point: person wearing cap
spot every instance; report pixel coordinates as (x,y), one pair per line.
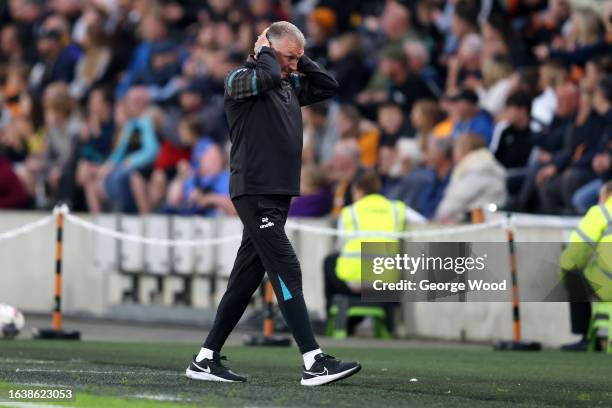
(470,118)
(56,60)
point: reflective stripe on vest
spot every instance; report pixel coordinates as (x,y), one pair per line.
(585,237)
(608,218)
(354,219)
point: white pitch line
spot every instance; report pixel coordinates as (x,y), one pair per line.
(46,370)
(36,384)
(25,361)
(21,404)
(157,397)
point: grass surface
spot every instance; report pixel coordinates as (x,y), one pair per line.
(107,374)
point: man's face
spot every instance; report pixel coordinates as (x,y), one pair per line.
(288,52)
(465,109)
(568,97)
(434,156)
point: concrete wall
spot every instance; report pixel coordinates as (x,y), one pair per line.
(93,286)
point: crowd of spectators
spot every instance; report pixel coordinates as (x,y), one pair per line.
(117,105)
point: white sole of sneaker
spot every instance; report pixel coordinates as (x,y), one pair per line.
(326,379)
(194,375)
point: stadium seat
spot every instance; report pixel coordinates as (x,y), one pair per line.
(131,255)
(105,257)
(600,326)
(344,307)
(183,257)
(157,258)
(227,226)
(204,228)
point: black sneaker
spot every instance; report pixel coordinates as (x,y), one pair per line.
(211,370)
(580,345)
(327,369)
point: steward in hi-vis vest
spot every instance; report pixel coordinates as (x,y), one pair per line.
(590,247)
(369,218)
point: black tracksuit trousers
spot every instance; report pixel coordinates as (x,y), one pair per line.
(264,247)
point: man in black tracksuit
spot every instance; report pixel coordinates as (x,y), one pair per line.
(262,102)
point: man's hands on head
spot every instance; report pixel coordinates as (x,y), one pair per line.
(262,41)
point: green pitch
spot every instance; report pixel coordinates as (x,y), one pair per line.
(106,374)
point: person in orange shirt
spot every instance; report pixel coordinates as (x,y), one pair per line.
(351,125)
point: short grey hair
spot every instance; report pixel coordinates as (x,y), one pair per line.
(280,29)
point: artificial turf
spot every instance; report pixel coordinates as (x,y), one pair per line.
(113,374)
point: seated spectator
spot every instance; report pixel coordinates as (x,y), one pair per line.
(202,187)
(351,125)
(15,124)
(62,129)
(12,48)
(470,118)
(94,64)
(162,74)
(570,168)
(13,194)
(551,74)
(131,161)
(171,153)
(174,147)
(587,40)
(345,168)
(56,59)
(152,30)
(315,198)
(418,59)
(424,187)
(320,134)
(549,142)
(496,84)
(15,95)
(399,84)
(586,196)
(392,123)
(444,128)
(96,143)
(477,180)
(396,162)
(425,115)
(348,66)
(512,140)
(465,68)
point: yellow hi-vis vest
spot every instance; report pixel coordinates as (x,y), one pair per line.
(372,213)
(590,249)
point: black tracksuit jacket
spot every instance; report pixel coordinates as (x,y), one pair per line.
(265,122)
